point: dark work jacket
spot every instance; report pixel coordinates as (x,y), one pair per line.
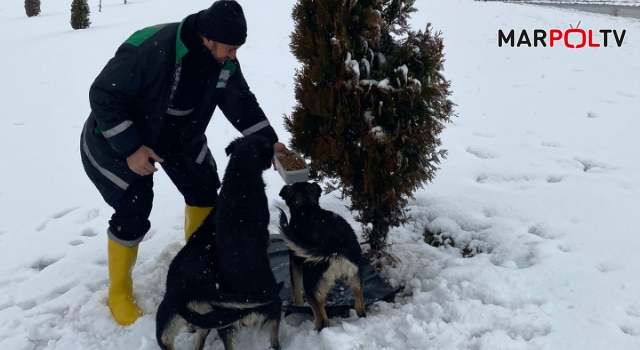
(130,98)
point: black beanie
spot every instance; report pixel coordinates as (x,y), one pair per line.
(223,22)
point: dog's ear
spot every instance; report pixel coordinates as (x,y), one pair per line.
(230,148)
(317,191)
(285,192)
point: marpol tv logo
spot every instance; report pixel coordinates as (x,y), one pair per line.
(571,38)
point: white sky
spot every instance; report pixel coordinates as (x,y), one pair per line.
(542,177)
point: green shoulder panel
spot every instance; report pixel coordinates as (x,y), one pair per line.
(140,36)
(181,48)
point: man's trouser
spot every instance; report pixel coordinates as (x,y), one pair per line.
(132,206)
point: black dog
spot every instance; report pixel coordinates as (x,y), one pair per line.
(323,249)
(191,285)
(242,238)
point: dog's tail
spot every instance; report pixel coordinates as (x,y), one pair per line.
(218,318)
(298,248)
(229,308)
(239,302)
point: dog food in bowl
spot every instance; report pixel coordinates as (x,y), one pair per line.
(292,162)
(292,168)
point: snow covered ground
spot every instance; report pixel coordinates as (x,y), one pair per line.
(541,188)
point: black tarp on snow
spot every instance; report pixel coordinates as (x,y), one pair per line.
(340,300)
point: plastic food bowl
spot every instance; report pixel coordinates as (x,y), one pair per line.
(292,176)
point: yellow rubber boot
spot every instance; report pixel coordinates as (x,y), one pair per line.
(193,218)
(121,303)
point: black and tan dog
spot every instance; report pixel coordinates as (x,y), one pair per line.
(242,237)
(191,296)
(323,249)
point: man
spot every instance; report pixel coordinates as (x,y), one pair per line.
(152,103)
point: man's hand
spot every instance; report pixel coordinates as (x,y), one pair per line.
(280,147)
(139,161)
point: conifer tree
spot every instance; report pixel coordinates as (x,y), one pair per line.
(371,103)
(32,7)
(80,14)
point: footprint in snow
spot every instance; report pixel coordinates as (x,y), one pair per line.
(44,262)
(76,242)
(89,232)
(491,178)
(525,260)
(633,311)
(566,248)
(592,115)
(554,179)
(607,267)
(529,259)
(27,305)
(633,331)
(55,216)
(591,166)
(542,232)
(482,153)
(101,261)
